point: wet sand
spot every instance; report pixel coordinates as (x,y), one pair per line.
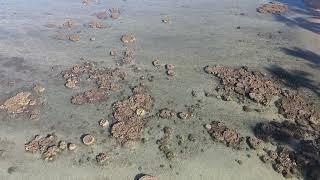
(200,33)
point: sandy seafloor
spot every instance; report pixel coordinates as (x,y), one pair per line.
(201,32)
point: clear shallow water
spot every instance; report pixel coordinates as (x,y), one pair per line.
(201,33)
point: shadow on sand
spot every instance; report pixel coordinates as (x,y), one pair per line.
(312,58)
(294,78)
(305,16)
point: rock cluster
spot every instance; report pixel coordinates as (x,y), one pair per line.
(254,85)
(302,128)
(274,8)
(293,106)
(221,133)
(164,143)
(128,124)
(47,146)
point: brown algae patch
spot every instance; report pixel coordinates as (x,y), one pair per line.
(25,103)
(17,103)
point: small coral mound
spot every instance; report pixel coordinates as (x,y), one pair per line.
(128,124)
(47,146)
(255,85)
(274,8)
(221,133)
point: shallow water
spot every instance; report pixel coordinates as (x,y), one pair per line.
(201,33)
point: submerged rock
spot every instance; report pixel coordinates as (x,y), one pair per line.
(274,8)
(128,39)
(17,103)
(88,139)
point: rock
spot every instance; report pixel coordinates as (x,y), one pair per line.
(156,63)
(128,124)
(169,66)
(247,109)
(166,20)
(183,115)
(170,73)
(38,88)
(74,37)
(88,139)
(140,112)
(114,13)
(128,39)
(128,56)
(72,147)
(101,158)
(147,177)
(39,143)
(254,143)
(208,127)
(113,52)
(51,153)
(254,85)
(63,145)
(265,159)
(229,137)
(170,155)
(166,113)
(274,8)
(104,123)
(71,83)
